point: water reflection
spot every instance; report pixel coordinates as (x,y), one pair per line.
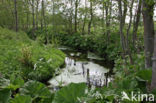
(76,72)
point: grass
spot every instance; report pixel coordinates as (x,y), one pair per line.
(19,55)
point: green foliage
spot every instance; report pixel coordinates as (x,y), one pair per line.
(92,43)
(36,90)
(44,62)
(128,77)
(15,82)
(96,43)
(4,95)
(145,75)
(70,93)
(26,56)
(30,92)
(23,60)
(10,51)
(21,99)
(4,82)
(21,56)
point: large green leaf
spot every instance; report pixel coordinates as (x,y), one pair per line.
(145,75)
(15,82)
(35,89)
(70,93)
(4,95)
(4,82)
(21,99)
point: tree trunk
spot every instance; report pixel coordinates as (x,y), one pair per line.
(27,20)
(91,17)
(71,17)
(76,9)
(122,22)
(84,21)
(33,14)
(53,22)
(16,15)
(148,32)
(108,16)
(153,83)
(37,14)
(136,23)
(42,15)
(128,30)
(103,15)
(27,13)
(124,12)
(107,22)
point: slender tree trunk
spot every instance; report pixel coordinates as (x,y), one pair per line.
(153,83)
(84,21)
(122,22)
(103,15)
(91,17)
(124,12)
(136,22)
(33,14)
(108,16)
(128,30)
(109,21)
(71,17)
(16,15)
(27,6)
(76,9)
(130,22)
(148,32)
(53,12)
(27,20)
(42,15)
(37,14)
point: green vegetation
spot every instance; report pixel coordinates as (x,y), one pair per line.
(23,60)
(70,93)
(118,31)
(94,43)
(24,57)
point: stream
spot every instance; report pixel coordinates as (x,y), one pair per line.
(81,67)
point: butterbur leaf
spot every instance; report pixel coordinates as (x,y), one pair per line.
(5,95)
(70,93)
(48,99)
(35,89)
(18,81)
(4,82)
(21,99)
(15,83)
(145,74)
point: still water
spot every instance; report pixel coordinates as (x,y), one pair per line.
(81,67)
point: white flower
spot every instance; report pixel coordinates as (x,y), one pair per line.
(35,66)
(49,60)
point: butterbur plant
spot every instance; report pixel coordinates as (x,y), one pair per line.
(26,56)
